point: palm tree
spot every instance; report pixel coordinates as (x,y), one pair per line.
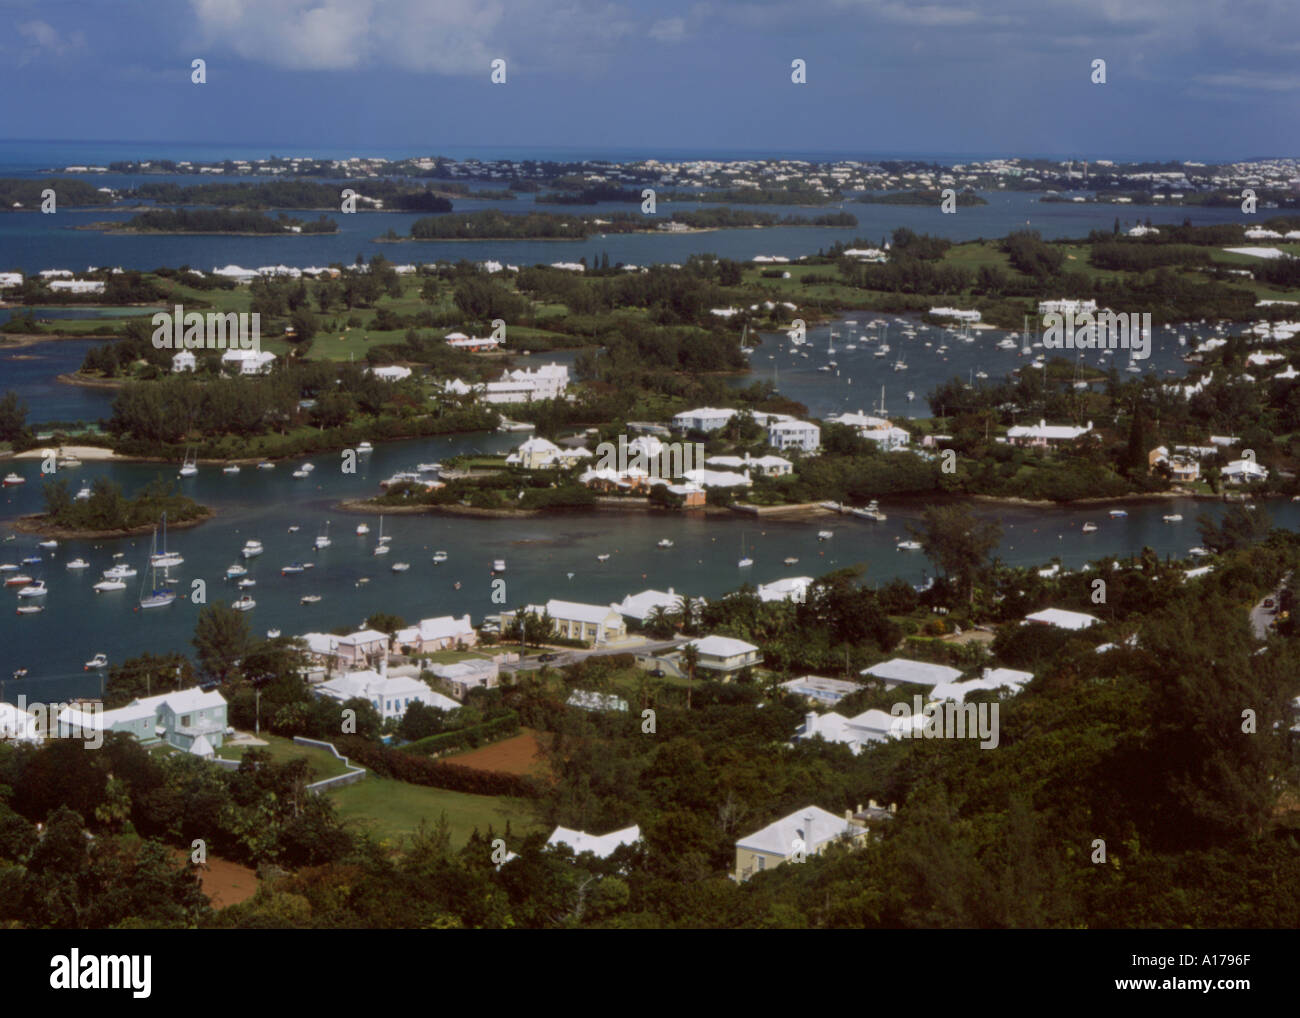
(690,657)
(660,621)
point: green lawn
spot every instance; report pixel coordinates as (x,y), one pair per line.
(389,808)
(323,763)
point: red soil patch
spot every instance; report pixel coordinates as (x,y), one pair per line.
(224,882)
(520,754)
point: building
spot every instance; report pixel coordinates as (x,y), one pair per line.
(1043,435)
(857,733)
(472,673)
(767,466)
(188,719)
(1063,619)
(1181,468)
(430,635)
(900,670)
(805,832)
(792,434)
(602,846)
(725,654)
(716,479)
(788,588)
(77,286)
(705,419)
(17,725)
(184,360)
(992,679)
(590,699)
(474,344)
(1244,471)
(389,695)
(543,454)
(814,687)
(362,648)
(248,362)
(639,607)
(572,620)
(391,373)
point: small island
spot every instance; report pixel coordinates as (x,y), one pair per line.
(932,196)
(217,221)
(105,512)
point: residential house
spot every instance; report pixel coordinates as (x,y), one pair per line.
(17,725)
(793,434)
(1043,435)
(471,673)
(594,623)
(389,695)
(725,654)
(827,691)
(543,454)
(184,360)
(804,832)
(716,479)
(1063,619)
(602,845)
(639,607)
(446,632)
(900,670)
(589,699)
(362,648)
(1244,471)
(391,373)
(248,362)
(189,719)
(767,466)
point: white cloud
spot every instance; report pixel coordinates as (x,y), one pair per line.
(46,37)
(669,30)
(438,36)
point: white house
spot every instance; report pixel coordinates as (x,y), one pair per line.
(1243,471)
(704,418)
(792,434)
(472,673)
(991,679)
(184,360)
(595,623)
(904,670)
(859,421)
(815,687)
(389,695)
(1042,434)
(804,832)
(1063,619)
(446,632)
(601,845)
(639,607)
(391,373)
(542,454)
(787,588)
(768,466)
(725,654)
(249,362)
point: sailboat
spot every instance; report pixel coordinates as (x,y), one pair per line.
(323,538)
(190,467)
(381,546)
(159,597)
(743,348)
(745,560)
(166,558)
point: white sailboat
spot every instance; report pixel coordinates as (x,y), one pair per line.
(190,467)
(323,538)
(166,558)
(381,545)
(745,560)
(158,597)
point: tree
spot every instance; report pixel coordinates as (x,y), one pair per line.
(958,543)
(13,417)
(690,658)
(222,639)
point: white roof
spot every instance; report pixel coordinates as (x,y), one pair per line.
(602,845)
(574,610)
(1055,432)
(368,684)
(363,636)
(639,606)
(784,588)
(921,673)
(811,825)
(1064,619)
(182,701)
(721,646)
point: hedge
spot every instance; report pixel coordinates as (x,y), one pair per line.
(472,737)
(420,770)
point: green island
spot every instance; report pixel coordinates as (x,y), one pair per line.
(106,512)
(933,196)
(217,221)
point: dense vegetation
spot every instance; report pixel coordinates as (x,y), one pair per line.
(222,221)
(108,509)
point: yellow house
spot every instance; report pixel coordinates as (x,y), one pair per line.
(803,833)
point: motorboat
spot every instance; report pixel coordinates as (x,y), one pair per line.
(295,567)
(499,565)
(246,582)
(309,467)
(233,468)
(243,604)
(745,563)
(603,557)
(1089,528)
(440,557)
(96,662)
(294,528)
(48,544)
(365,447)
(106,585)
(12,478)
(121,571)
(83,494)
(300,473)
(909,546)
(30,609)
(17,580)
(363,529)
(252,549)
(309,599)
(824,535)
(1117,514)
(273,634)
(235,571)
(428,468)
(34,589)
(1173,518)
(665,543)
(266,465)
(401,567)
(790,560)
(78,563)
(12,567)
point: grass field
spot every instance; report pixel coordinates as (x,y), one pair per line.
(323,763)
(389,809)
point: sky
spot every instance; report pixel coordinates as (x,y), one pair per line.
(1194,79)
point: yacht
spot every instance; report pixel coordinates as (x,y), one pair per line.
(243,604)
(121,571)
(294,528)
(296,567)
(1089,528)
(825,535)
(428,468)
(745,563)
(365,447)
(273,634)
(34,589)
(30,609)
(158,597)
(909,546)
(363,529)
(48,544)
(1117,514)
(499,565)
(300,473)
(440,557)
(105,585)
(78,563)
(246,582)
(83,494)
(266,465)
(32,560)
(166,558)
(309,467)
(233,468)
(12,478)
(1173,518)
(252,549)
(95,663)
(309,599)
(665,543)
(401,567)
(603,557)
(11,567)
(235,571)
(381,543)
(790,560)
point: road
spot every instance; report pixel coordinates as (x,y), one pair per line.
(1260,617)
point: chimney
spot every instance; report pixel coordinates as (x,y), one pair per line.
(383,665)
(872,803)
(893,807)
(860,805)
(848,816)
(808,834)
(809,724)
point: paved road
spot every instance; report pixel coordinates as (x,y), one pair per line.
(1261,617)
(570,657)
